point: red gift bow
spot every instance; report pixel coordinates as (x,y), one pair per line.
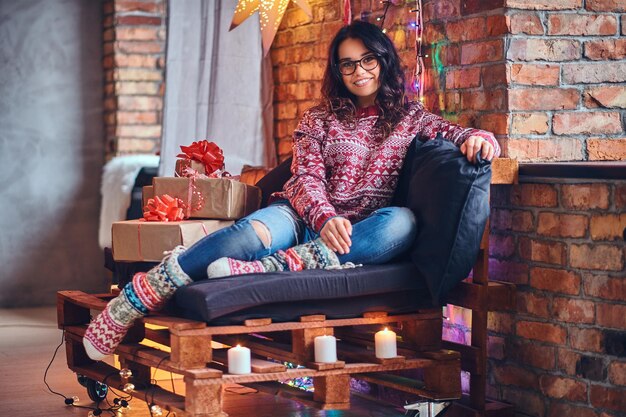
(205,152)
(163,208)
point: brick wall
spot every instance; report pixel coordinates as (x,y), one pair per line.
(548,77)
(563,350)
(298,60)
(133,61)
(567,80)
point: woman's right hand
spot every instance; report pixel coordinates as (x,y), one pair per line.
(336,234)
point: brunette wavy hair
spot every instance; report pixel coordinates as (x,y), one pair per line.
(391,94)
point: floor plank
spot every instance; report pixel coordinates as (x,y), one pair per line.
(27,342)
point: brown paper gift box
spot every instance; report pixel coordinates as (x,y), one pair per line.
(137,241)
(181,164)
(147,192)
(223,198)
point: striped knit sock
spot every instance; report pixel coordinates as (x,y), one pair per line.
(311,255)
(146,292)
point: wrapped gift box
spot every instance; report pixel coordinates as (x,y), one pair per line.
(142,241)
(147,192)
(222,198)
(182,164)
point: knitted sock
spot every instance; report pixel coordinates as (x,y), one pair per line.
(148,291)
(311,255)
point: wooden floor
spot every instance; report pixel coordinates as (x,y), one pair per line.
(28,338)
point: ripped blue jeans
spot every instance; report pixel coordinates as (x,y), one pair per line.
(380,237)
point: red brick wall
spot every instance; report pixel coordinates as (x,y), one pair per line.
(563,350)
(567,80)
(133,61)
(458,84)
(548,77)
(298,59)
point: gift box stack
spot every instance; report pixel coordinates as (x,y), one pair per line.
(200,199)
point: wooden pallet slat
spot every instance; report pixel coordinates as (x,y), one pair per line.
(274,327)
(491,296)
(471,359)
(504,171)
(82,299)
(175,324)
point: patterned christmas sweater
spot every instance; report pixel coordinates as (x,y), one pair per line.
(352,170)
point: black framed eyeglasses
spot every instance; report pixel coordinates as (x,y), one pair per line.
(368,63)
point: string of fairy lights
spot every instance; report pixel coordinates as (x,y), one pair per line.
(122,396)
(417,82)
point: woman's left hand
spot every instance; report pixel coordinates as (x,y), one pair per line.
(475,145)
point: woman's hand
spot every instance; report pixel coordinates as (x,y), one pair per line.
(336,234)
(475,145)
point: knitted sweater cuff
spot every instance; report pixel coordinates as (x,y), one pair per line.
(321,221)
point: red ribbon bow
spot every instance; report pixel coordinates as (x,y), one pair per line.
(205,152)
(163,208)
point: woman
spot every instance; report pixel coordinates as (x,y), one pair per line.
(348,152)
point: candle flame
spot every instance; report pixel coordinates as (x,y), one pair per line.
(238,345)
(386,329)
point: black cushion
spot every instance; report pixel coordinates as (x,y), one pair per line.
(285,296)
(274,180)
(144,177)
(450,199)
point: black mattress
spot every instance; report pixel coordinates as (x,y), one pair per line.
(285,296)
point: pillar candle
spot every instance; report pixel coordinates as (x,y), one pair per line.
(385,341)
(325,349)
(239,360)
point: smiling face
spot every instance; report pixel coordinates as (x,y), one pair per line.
(364,84)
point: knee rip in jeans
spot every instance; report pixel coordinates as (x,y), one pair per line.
(262,232)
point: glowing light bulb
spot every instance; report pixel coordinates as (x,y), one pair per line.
(156,410)
(126,373)
(128,388)
(75,398)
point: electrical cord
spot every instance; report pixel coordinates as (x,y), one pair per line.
(70,401)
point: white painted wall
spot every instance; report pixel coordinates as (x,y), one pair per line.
(51,149)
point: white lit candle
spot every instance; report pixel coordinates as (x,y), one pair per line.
(239,360)
(325,349)
(385,341)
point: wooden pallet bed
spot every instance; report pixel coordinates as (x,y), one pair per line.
(203,366)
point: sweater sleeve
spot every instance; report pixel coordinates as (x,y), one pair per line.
(306,190)
(430,124)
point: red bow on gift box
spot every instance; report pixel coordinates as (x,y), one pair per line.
(205,152)
(163,208)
